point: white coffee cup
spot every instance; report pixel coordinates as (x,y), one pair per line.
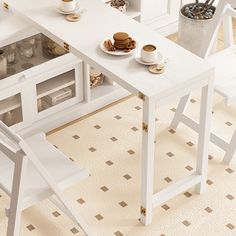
(67,5)
(148,53)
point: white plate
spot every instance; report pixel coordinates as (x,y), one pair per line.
(117,52)
(68,12)
(158,60)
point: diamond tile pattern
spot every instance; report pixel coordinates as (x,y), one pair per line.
(127,176)
(123,204)
(186,223)
(81,201)
(109,163)
(30,227)
(208,209)
(74,231)
(187,194)
(99,217)
(230,197)
(104,189)
(56,213)
(109,200)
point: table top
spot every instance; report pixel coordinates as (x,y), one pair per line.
(100,22)
(12,27)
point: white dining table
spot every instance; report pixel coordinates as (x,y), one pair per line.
(184,73)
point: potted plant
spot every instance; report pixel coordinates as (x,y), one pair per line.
(194,21)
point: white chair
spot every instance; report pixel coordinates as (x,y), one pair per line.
(32,170)
(225,77)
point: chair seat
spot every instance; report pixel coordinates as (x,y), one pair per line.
(64,171)
(225,77)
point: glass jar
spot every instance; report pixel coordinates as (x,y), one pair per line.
(3,64)
(11,53)
(27,50)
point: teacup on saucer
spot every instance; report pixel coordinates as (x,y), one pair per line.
(157,59)
(149,53)
(67,5)
(76,10)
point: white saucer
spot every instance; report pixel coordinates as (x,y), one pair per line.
(117,52)
(68,12)
(158,60)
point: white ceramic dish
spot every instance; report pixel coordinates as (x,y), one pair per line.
(158,59)
(68,12)
(117,52)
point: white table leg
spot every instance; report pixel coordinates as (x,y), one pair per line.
(179,111)
(147,160)
(204,134)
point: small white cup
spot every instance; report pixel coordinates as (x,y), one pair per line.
(67,5)
(149,53)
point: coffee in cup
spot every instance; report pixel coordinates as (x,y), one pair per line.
(148,53)
(67,5)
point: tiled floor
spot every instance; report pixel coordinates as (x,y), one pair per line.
(109,199)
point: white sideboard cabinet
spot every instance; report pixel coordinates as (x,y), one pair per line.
(41,93)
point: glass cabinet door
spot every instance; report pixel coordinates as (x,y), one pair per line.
(11,110)
(56,90)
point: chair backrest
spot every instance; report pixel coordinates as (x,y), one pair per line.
(224,13)
(9,142)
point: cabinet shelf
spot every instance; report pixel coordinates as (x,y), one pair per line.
(52,85)
(9,105)
(102,90)
(133,13)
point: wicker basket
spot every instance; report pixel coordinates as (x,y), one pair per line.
(96,78)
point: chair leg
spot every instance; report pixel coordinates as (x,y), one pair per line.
(65,207)
(13,228)
(179,111)
(229,153)
(55,188)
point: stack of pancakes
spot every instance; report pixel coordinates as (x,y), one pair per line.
(121,40)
